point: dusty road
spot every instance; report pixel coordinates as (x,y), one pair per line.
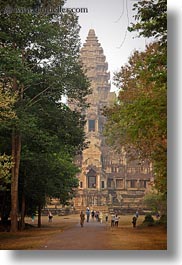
(96,236)
(65,233)
(92,236)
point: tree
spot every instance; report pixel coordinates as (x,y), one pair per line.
(138,120)
(6,114)
(5,168)
(151,19)
(40,59)
(155,201)
(47,168)
(7,101)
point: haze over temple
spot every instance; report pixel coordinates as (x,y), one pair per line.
(108,181)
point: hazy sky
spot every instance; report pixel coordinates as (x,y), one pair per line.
(110,19)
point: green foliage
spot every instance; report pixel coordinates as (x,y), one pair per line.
(156,202)
(149,220)
(163,220)
(7,102)
(151,19)
(53,176)
(40,65)
(138,120)
(5,171)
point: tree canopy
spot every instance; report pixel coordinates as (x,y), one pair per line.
(151,19)
(39,53)
(138,120)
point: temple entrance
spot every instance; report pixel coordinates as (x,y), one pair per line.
(91,182)
(91,179)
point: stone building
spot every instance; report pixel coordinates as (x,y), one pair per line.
(108,181)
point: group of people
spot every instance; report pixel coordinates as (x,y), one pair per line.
(114,220)
(82,216)
(99,217)
(96,215)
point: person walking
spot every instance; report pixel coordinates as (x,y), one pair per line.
(100,217)
(93,214)
(88,214)
(112,220)
(116,220)
(134,220)
(106,217)
(137,214)
(82,218)
(50,216)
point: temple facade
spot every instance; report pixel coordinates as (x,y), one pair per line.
(108,180)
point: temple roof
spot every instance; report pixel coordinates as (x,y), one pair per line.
(91,32)
(94,61)
(92,39)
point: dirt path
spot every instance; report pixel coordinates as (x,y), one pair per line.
(65,233)
(92,236)
(96,236)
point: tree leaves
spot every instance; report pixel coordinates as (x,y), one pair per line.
(138,120)
(151,19)
(5,169)
(40,64)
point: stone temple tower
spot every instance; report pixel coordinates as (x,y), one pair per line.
(106,180)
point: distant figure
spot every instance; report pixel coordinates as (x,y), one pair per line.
(93,214)
(100,217)
(82,218)
(134,221)
(97,215)
(137,214)
(50,216)
(33,218)
(157,215)
(106,217)
(112,220)
(116,220)
(88,214)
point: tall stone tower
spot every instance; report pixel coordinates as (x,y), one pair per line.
(106,180)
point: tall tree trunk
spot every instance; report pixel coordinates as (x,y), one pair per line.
(16,150)
(22,222)
(39,216)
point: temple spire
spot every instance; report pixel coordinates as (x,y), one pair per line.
(91,40)
(91,32)
(94,60)
(106,177)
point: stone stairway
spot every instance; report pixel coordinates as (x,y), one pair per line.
(101,208)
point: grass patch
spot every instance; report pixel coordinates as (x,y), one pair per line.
(30,239)
(33,237)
